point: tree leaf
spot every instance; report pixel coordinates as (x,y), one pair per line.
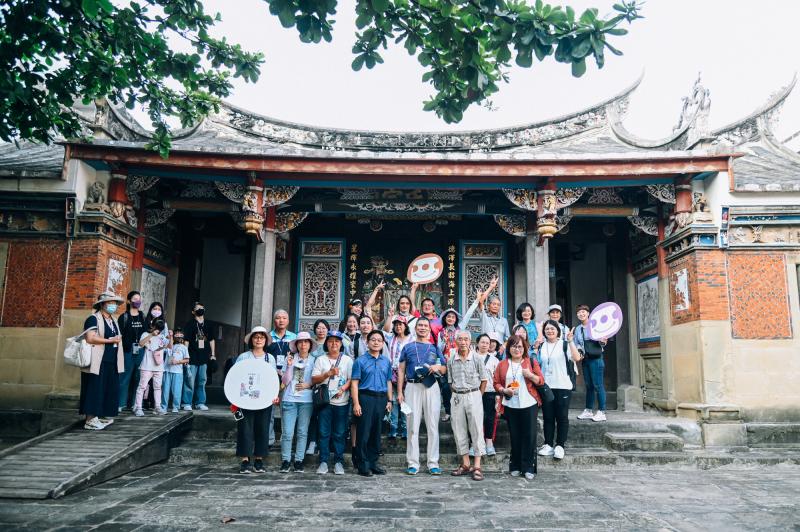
(579,68)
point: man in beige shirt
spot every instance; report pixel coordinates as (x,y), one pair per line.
(468,378)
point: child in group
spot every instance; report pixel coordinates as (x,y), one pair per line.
(176,359)
(155,343)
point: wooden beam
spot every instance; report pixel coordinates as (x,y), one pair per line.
(440,170)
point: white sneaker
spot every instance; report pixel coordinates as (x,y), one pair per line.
(338,468)
(175,410)
(322,469)
(599,416)
(558,452)
(515,473)
(138,413)
(490,451)
(445,417)
(159,412)
(187,407)
(546,450)
(312,447)
(530,476)
(586,414)
(94,424)
(471,451)
(202,407)
(106,420)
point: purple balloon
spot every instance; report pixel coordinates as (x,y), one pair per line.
(605,320)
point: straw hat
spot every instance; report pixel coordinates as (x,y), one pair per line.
(105,297)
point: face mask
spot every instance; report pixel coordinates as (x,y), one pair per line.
(111,308)
(136,304)
(179,339)
(156,313)
(199,312)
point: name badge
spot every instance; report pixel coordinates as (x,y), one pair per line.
(201,343)
(136,348)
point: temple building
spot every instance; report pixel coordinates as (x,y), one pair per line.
(696,236)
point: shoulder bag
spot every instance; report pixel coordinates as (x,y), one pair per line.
(77,351)
(321,395)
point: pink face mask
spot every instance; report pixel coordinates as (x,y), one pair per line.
(156,313)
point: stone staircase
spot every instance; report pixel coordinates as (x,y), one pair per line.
(626,440)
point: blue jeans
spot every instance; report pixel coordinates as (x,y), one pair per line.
(171,387)
(294,415)
(332,419)
(593,369)
(193,372)
(397,421)
(131,372)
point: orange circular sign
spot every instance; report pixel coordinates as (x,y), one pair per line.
(425,268)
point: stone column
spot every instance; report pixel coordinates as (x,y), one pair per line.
(537,269)
(262,266)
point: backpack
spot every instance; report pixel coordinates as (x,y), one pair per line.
(570,367)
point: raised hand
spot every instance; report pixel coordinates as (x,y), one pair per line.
(570,334)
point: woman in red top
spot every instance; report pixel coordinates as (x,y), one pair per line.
(515,381)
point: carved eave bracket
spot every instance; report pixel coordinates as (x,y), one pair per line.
(513,224)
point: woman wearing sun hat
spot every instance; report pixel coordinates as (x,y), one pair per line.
(99,399)
(296,403)
(252,431)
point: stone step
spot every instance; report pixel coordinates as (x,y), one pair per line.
(772,435)
(643,441)
(222,454)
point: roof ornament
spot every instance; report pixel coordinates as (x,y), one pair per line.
(695,111)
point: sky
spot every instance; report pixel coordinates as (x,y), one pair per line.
(745,50)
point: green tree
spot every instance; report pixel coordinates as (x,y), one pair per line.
(54,52)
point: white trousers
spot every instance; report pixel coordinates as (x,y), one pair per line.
(467,422)
(423,402)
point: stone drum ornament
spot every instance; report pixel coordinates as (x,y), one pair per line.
(605,321)
(425,268)
(252,384)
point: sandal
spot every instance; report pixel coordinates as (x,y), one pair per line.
(462,470)
(477,474)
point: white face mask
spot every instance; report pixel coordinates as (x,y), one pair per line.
(156,313)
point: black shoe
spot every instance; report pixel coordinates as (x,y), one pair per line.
(365,472)
(298,467)
(378,470)
(355,460)
(392,440)
(286,466)
(258,466)
(244,468)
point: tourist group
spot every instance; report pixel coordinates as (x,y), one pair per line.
(341,382)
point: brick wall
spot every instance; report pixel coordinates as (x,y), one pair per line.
(89,271)
(699,287)
(34,284)
(759,298)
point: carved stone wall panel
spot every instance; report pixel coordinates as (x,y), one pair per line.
(653,373)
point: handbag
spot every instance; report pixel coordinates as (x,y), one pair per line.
(545,393)
(77,351)
(592,348)
(320,395)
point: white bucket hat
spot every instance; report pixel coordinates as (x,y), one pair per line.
(256,329)
(302,336)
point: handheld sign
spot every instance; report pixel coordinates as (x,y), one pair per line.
(252,384)
(605,321)
(425,268)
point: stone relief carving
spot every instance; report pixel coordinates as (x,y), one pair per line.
(199,190)
(646,224)
(513,224)
(522,198)
(407,207)
(663,193)
(233,191)
(604,196)
(652,372)
(320,283)
(700,211)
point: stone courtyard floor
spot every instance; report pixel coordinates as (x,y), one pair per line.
(170,497)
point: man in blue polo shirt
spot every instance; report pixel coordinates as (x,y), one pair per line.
(371,389)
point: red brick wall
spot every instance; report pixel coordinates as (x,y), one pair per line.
(34,287)
(707,283)
(88,271)
(759,295)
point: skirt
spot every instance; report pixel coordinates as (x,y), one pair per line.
(100,393)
